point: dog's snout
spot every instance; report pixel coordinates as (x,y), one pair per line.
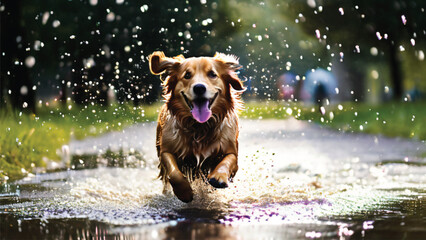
(199,89)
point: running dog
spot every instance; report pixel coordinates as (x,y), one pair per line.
(197,131)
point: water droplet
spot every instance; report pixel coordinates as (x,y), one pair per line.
(311,3)
(404,19)
(110,17)
(358,50)
(374,51)
(56,23)
(318,34)
(45,17)
(375,74)
(386,89)
(23,90)
(144,8)
(187,34)
(421,55)
(30,61)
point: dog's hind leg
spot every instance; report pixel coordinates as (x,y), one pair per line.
(180,184)
(225,170)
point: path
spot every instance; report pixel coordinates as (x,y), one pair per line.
(317,182)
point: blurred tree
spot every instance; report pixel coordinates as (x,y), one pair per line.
(390,26)
(15,82)
(267,43)
(104,44)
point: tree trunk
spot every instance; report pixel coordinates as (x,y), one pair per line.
(395,71)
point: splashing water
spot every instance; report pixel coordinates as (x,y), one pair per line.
(290,172)
(403,19)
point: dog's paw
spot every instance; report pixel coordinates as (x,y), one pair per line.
(218,183)
(181,187)
(218,180)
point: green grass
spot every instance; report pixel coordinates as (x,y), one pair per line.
(394,119)
(28,141)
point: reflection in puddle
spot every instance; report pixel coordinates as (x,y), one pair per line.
(120,200)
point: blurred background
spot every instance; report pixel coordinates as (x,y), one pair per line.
(90,51)
(60,58)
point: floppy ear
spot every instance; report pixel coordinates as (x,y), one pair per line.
(231,64)
(158,62)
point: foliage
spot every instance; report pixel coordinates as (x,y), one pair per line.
(102,45)
(373,30)
(268,110)
(393,119)
(268,44)
(28,141)
(92,120)
(24,142)
(102,48)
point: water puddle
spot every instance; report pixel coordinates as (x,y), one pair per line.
(292,192)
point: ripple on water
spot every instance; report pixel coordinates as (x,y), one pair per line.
(260,193)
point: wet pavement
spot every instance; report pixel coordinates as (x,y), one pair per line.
(296,181)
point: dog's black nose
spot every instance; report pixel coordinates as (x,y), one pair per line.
(199,89)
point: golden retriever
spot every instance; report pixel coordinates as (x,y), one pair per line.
(197,131)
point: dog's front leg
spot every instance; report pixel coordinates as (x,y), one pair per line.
(225,170)
(179,183)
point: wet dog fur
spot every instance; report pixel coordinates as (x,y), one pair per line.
(197,131)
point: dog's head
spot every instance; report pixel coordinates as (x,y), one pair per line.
(199,87)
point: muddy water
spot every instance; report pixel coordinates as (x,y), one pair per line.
(295,181)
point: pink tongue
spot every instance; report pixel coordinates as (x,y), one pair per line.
(201,111)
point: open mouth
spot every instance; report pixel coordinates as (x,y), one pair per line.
(200,107)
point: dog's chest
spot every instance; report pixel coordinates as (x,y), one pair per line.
(201,143)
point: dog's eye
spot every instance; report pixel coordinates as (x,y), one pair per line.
(211,74)
(187,75)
